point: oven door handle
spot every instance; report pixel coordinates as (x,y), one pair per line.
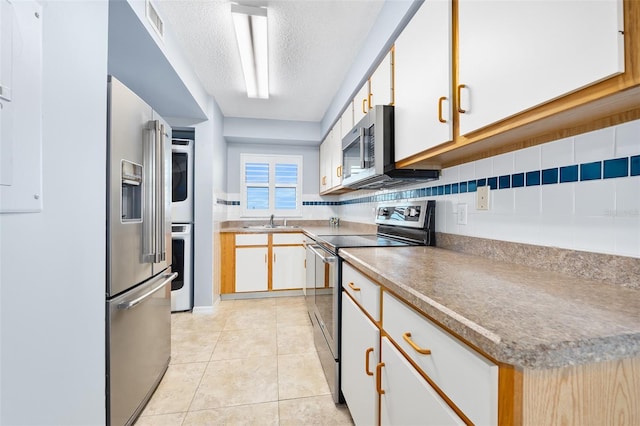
(325,259)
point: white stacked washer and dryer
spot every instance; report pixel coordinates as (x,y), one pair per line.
(182,222)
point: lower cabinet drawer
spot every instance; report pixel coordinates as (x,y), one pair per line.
(362,289)
(468,379)
(407,398)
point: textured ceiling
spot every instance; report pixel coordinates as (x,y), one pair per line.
(312,44)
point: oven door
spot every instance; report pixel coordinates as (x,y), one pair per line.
(324,314)
(182,263)
(326,295)
(182,181)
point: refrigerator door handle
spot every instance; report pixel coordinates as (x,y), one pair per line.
(149,216)
(133,303)
(160,248)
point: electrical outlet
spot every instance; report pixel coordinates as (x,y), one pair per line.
(462,214)
(482,200)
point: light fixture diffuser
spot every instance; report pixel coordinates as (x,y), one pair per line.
(251,34)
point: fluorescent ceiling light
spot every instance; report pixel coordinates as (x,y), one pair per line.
(251,33)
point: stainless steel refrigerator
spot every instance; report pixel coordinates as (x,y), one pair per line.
(138,293)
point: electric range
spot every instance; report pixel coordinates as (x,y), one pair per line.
(410,223)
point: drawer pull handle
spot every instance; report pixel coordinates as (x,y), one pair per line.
(353,287)
(366,362)
(407,337)
(379,378)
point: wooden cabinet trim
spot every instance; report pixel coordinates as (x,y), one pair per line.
(228,257)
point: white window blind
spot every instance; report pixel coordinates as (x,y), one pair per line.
(271,185)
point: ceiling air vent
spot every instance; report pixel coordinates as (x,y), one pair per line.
(155,20)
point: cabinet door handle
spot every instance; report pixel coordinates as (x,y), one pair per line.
(353,287)
(339,171)
(366,362)
(379,378)
(265,258)
(460,87)
(369,100)
(364,101)
(407,337)
(274,258)
(440,101)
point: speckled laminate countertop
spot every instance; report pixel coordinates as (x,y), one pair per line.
(516,314)
(311,228)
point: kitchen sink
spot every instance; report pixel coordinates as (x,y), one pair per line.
(271,227)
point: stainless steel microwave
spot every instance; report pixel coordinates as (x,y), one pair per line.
(368,160)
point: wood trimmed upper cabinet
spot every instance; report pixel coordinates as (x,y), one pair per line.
(513,56)
(423,81)
(539,72)
(361,103)
(381,83)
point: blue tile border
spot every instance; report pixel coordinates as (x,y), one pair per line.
(635,165)
(517,180)
(607,169)
(591,171)
(549,176)
(569,174)
(533,178)
(615,168)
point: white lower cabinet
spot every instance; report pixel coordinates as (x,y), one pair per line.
(360,355)
(467,378)
(407,398)
(400,368)
(288,267)
(252,273)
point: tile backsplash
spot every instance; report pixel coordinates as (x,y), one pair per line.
(580,193)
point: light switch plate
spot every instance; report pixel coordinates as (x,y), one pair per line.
(462,214)
(482,200)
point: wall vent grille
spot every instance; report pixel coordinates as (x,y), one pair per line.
(155,20)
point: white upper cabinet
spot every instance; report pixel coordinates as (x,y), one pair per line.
(346,121)
(335,147)
(361,103)
(515,55)
(422,86)
(381,87)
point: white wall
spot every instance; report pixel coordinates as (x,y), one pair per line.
(601,215)
(52,264)
(209,164)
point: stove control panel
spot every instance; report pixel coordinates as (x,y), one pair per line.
(411,214)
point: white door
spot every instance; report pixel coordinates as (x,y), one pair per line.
(423,99)
(251,269)
(514,55)
(381,83)
(360,355)
(288,267)
(361,103)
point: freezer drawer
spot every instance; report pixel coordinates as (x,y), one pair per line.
(139,346)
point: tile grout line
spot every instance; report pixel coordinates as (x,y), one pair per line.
(203,373)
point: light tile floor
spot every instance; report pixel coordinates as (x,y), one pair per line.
(252,362)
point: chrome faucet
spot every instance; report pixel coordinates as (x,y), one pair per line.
(271,222)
